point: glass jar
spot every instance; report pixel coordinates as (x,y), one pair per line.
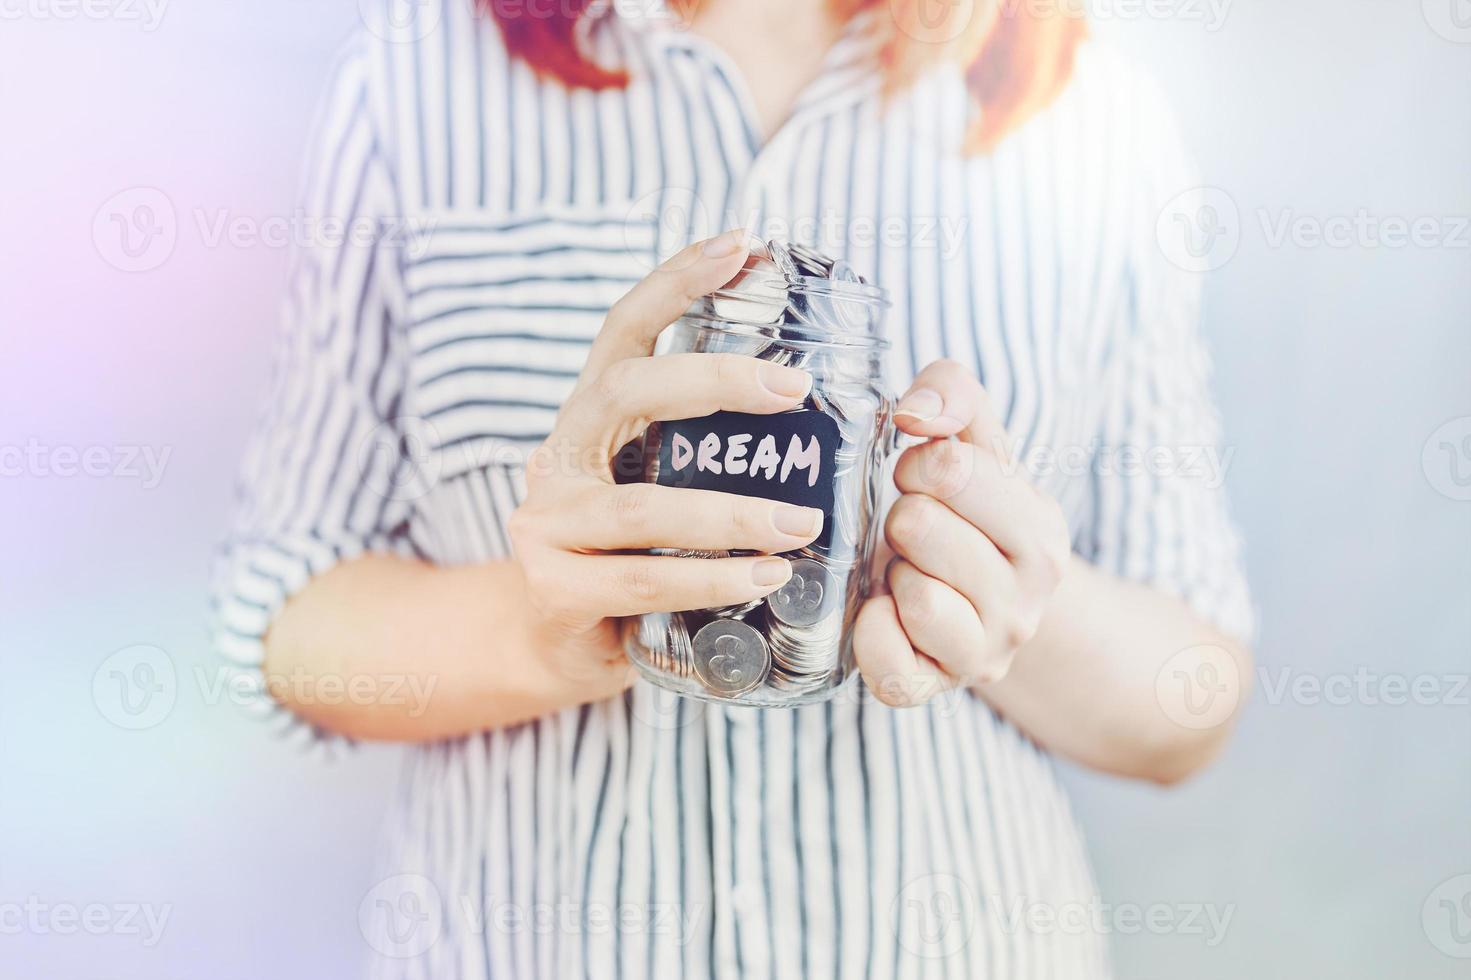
(793,306)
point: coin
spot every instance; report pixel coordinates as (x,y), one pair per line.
(730,658)
(807,598)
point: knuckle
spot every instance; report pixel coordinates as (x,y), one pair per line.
(521,527)
(910,521)
(741,518)
(948,367)
(948,469)
(638,582)
(727,370)
(1019,630)
(893,692)
(609,387)
(631,504)
(995,669)
(922,605)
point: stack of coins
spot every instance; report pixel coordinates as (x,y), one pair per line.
(791,641)
(668,645)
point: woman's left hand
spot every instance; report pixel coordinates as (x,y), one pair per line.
(977,551)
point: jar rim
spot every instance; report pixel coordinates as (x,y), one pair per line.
(860,307)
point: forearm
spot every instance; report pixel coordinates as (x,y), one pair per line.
(1085,685)
(389,648)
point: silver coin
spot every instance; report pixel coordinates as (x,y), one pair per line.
(739,611)
(679,652)
(730,658)
(783,259)
(818,265)
(808,597)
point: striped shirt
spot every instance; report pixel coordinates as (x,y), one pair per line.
(651,835)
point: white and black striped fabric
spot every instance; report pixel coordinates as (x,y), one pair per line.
(651,836)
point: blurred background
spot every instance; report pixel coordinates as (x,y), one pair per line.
(1336,833)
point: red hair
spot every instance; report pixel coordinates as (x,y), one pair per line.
(1018,59)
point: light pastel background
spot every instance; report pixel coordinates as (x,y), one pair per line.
(1324,831)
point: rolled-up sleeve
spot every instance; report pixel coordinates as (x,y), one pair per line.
(1160,511)
(318,483)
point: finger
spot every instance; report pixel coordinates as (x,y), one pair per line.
(1026,525)
(636,320)
(945,546)
(897,675)
(644,515)
(947,400)
(940,622)
(583,589)
(620,402)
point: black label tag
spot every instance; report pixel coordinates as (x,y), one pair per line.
(788,457)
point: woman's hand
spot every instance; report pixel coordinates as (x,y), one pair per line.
(577,533)
(977,551)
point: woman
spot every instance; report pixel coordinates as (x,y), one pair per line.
(429,498)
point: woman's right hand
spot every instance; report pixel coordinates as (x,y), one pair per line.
(578,534)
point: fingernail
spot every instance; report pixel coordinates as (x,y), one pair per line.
(922,404)
(784,381)
(771,571)
(801,522)
(722,245)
